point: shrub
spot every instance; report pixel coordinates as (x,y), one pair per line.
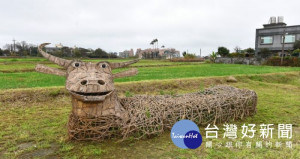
(288,61)
(236,54)
(265,52)
(296,52)
(189,56)
(207,61)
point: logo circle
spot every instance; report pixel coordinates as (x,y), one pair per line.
(186,134)
(195,141)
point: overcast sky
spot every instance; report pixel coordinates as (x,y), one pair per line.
(116,25)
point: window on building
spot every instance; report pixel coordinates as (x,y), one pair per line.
(288,39)
(266,40)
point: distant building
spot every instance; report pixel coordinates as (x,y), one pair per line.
(126,53)
(59,45)
(271,36)
(53,49)
(166,53)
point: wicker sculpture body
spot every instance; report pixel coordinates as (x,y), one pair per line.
(97,112)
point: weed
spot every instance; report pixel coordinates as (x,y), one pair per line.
(161,92)
(128,94)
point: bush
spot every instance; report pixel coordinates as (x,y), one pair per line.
(189,56)
(296,52)
(287,61)
(236,54)
(207,61)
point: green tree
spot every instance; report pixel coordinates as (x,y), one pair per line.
(297,44)
(6,52)
(100,53)
(223,51)
(58,53)
(1,52)
(250,50)
(33,51)
(184,53)
(265,52)
(77,52)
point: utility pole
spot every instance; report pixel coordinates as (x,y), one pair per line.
(14,45)
(282,51)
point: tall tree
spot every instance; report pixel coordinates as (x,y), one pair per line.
(237,49)
(223,51)
(101,53)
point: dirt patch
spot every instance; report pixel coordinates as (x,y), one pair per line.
(41,153)
(26,145)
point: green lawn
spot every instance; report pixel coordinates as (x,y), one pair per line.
(11,65)
(35,79)
(37,128)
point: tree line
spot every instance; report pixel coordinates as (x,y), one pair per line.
(264,52)
(23,48)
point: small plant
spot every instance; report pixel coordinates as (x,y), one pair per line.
(201,87)
(128,94)
(213,57)
(92,150)
(172,93)
(148,112)
(161,92)
(54,93)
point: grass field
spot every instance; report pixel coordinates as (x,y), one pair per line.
(22,73)
(35,125)
(34,109)
(27,64)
